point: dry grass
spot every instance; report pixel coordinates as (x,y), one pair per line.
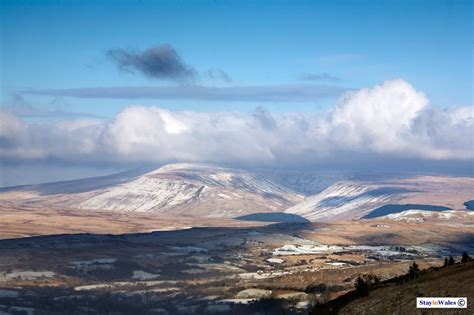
(23,221)
(455,281)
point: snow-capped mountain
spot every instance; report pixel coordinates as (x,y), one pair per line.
(355,199)
(186,189)
(307,183)
(195,189)
(347,200)
(206,191)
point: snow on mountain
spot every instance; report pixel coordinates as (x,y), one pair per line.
(207,191)
(347,200)
(185,189)
(424,215)
(225,192)
(354,199)
(307,183)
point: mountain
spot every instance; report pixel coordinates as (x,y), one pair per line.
(306,182)
(185,189)
(207,191)
(355,199)
(346,200)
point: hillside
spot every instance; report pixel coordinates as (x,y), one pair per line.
(355,199)
(453,281)
(185,189)
(206,191)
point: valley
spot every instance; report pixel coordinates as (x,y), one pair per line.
(207,270)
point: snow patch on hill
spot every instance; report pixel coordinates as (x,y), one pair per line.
(346,200)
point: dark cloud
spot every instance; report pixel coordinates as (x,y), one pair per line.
(262,93)
(158,62)
(319,77)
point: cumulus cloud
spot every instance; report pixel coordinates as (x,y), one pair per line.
(391,120)
(158,62)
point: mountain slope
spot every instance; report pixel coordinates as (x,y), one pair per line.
(356,199)
(346,200)
(186,189)
(453,281)
(205,191)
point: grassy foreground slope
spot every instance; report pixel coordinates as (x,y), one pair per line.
(452,281)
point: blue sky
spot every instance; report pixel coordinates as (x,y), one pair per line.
(91,87)
(62,45)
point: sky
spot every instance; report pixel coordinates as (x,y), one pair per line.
(90,87)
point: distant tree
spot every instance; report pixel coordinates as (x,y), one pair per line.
(451,261)
(465,258)
(362,287)
(365,283)
(413,270)
(445,262)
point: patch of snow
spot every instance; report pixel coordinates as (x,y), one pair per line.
(92,287)
(275,260)
(80,263)
(291,249)
(338,264)
(236,301)
(253,293)
(143,275)
(26,275)
(299,296)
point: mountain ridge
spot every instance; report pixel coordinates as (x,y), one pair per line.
(209,191)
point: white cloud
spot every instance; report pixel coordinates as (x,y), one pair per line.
(392,119)
(377,119)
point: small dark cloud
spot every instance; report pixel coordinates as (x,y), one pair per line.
(319,77)
(158,62)
(219,75)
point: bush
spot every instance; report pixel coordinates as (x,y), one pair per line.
(465,258)
(414,270)
(451,261)
(362,288)
(366,283)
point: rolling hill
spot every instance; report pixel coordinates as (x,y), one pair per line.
(206,191)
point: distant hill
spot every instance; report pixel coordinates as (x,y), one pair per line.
(183,189)
(210,192)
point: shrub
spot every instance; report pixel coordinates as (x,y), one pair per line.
(465,258)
